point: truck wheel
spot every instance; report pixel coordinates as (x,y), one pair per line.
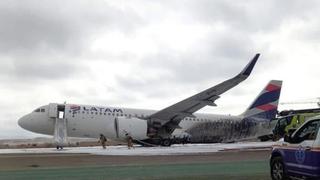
(166,142)
(277,169)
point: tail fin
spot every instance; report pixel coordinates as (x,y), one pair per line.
(265,105)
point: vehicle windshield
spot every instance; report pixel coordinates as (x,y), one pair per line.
(308,132)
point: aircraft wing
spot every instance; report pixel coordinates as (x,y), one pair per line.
(167,119)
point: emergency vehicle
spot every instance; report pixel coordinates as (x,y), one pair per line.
(291,120)
(298,154)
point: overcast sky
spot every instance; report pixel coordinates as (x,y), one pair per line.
(151,54)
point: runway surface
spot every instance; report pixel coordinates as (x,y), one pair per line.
(200,161)
(146,151)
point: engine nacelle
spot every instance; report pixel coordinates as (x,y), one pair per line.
(136,127)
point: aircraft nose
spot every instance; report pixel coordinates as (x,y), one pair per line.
(23,122)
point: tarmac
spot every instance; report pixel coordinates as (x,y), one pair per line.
(197,161)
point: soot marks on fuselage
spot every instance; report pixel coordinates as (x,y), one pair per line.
(222,131)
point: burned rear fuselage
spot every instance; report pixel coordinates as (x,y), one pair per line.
(227,130)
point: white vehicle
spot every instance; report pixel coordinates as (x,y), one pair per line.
(158,127)
(298,154)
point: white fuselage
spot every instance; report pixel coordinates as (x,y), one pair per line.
(179,119)
(90,121)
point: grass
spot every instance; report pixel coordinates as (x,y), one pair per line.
(255,170)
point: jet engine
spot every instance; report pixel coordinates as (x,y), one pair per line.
(136,127)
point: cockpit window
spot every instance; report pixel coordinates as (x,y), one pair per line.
(40,110)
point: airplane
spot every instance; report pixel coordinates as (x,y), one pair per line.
(156,127)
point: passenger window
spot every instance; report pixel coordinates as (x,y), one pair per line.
(308,132)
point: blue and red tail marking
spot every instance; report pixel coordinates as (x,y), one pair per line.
(265,105)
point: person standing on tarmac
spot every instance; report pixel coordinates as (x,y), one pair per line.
(103,141)
(129,141)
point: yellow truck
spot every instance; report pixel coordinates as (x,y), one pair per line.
(291,120)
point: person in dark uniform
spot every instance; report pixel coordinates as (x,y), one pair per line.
(103,141)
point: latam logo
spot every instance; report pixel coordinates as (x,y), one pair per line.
(76,108)
(269,96)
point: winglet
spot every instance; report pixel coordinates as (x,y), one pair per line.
(247,70)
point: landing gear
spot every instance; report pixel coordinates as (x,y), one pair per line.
(166,142)
(59,147)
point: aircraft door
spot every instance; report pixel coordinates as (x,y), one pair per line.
(53,110)
(61,111)
(116,127)
(56,110)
